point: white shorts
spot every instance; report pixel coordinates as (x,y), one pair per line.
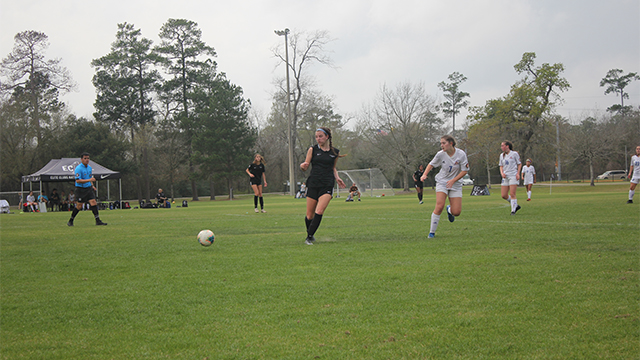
(528,182)
(509,180)
(635,180)
(454,192)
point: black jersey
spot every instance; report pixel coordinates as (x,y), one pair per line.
(256,170)
(322,163)
(417,175)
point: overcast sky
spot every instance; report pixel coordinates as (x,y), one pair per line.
(376,42)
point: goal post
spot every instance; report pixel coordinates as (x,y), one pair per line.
(370,182)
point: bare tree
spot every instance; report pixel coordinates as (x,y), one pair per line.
(402,125)
(306,49)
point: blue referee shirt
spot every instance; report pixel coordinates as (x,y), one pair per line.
(84,173)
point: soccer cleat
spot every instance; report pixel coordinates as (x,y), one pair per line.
(264,211)
(513,213)
(517,208)
(451,217)
(358,199)
(99,222)
(256,210)
(70,223)
(432,235)
(420,202)
(529,199)
(629,201)
(309,240)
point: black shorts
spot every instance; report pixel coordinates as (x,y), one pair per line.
(315,192)
(255,180)
(418,184)
(83,195)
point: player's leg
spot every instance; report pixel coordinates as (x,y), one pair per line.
(441,198)
(321,206)
(256,192)
(504,190)
(260,198)
(514,201)
(632,191)
(455,205)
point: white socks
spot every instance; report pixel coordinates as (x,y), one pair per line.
(631,193)
(529,194)
(509,199)
(514,205)
(434,222)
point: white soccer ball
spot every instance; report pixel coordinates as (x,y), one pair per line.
(206,237)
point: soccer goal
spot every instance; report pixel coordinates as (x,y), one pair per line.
(370,182)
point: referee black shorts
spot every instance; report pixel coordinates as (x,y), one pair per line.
(83,195)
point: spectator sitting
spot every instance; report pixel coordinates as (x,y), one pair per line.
(303,192)
(54,200)
(71,201)
(63,201)
(31,202)
(161,198)
(43,199)
(353,191)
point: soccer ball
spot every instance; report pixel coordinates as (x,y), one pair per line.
(206,237)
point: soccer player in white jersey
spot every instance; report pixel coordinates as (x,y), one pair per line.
(529,177)
(453,165)
(510,168)
(634,174)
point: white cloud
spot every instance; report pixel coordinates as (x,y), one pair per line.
(376,42)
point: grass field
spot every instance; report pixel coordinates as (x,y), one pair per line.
(557,281)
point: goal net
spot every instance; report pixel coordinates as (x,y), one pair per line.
(370,182)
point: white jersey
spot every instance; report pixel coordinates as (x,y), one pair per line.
(527,174)
(451,166)
(509,163)
(635,161)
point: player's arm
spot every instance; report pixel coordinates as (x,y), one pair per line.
(630,173)
(426,172)
(264,178)
(249,172)
(519,171)
(451,182)
(307,161)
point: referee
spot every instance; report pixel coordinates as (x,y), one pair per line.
(85,191)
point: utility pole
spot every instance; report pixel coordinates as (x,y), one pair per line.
(292,179)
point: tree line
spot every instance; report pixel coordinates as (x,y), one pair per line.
(166,117)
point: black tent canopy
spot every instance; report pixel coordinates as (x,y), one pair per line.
(58,170)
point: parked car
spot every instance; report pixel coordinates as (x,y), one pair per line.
(613,174)
(466,180)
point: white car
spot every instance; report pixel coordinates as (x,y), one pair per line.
(613,174)
(466,180)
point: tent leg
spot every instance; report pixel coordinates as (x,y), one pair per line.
(120,186)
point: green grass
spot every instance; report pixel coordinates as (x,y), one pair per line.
(557,281)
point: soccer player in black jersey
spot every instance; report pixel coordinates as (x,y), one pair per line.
(256,174)
(418,183)
(323,158)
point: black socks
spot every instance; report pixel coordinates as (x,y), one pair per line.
(261,203)
(314,224)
